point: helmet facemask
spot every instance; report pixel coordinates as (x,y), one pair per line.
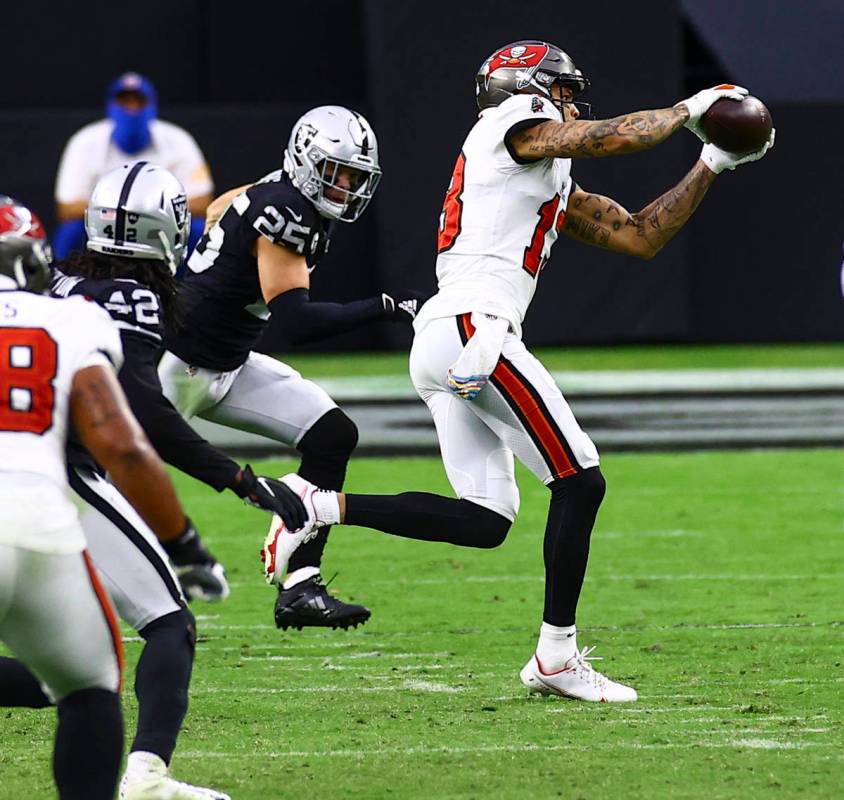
(24,264)
(547,80)
(345,203)
(332,159)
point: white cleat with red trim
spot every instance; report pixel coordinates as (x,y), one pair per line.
(281,543)
(576,679)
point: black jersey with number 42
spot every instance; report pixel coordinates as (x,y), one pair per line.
(224,312)
(136,311)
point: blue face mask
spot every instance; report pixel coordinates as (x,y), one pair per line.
(131,128)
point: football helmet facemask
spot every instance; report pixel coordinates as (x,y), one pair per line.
(24,264)
(527,67)
(332,159)
(139,210)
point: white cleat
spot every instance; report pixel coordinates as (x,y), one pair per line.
(281,543)
(155,783)
(577,679)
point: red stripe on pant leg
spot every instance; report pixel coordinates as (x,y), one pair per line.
(468,327)
(108,612)
(538,426)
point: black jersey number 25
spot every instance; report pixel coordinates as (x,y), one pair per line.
(275,227)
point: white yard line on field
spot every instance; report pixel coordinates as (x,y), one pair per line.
(505,748)
(460,578)
(372,654)
(597,628)
(406,685)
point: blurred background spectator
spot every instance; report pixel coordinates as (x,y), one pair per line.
(131,131)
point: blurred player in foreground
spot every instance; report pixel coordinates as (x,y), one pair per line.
(489,397)
(255,260)
(133,281)
(57,362)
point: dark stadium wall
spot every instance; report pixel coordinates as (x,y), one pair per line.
(756,264)
(423,58)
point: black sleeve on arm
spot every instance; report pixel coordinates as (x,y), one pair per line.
(172,437)
(302,320)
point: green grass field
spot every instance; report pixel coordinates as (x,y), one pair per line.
(714,587)
(731,356)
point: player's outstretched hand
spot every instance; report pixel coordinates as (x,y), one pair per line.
(718,160)
(699,103)
(403,305)
(273,496)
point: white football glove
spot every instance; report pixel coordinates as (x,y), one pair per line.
(699,103)
(468,375)
(718,160)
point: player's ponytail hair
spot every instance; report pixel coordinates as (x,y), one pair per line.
(150,272)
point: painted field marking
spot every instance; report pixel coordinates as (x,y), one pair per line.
(350,656)
(596,628)
(769,744)
(836,576)
(407,685)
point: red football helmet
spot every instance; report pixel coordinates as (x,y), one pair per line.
(17,220)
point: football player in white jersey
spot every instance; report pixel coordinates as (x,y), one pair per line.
(137,228)
(510,196)
(57,363)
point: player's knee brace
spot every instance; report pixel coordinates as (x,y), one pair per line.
(326,449)
(586,488)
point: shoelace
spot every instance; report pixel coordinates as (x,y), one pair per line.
(583,667)
(326,584)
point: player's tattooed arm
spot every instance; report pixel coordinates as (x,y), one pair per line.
(595,138)
(600,221)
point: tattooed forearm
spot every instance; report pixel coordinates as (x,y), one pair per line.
(590,139)
(596,220)
(660,221)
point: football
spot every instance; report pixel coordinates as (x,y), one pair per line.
(738,126)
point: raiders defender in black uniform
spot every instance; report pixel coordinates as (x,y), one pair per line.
(255,260)
(137,224)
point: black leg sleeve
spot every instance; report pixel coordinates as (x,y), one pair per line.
(574,506)
(429,517)
(162,678)
(89,745)
(326,449)
(19,687)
